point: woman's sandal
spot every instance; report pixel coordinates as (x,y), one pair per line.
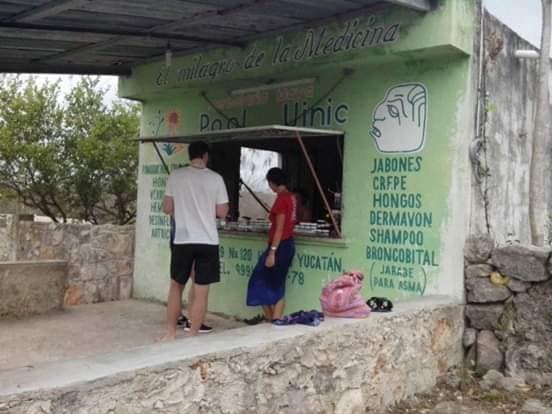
(255,320)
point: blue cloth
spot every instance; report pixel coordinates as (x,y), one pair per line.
(310,318)
(267,285)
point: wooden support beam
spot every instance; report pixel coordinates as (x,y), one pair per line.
(49,8)
(419,5)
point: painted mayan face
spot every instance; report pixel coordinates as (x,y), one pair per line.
(399,120)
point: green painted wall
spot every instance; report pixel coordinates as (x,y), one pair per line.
(418,80)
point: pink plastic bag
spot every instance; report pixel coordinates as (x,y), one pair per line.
(341,297)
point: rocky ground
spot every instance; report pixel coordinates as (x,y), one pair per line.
(467,394)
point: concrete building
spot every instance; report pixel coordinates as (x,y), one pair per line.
(385,105)
(417,118)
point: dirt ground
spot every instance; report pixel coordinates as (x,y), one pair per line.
(459,393)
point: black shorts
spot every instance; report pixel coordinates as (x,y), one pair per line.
(204,258)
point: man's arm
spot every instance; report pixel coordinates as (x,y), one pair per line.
(222,206)
(168,205)
(222,210)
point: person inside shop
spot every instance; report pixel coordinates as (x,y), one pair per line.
(267,283)
(304,212)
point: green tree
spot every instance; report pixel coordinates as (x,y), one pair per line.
(68,159)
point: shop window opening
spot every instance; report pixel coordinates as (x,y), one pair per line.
(313,160)
(250,197)
(254,163)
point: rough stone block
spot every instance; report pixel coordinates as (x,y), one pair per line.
(351,402)
(72,296)
(452,407)
(518,286)
(533,406)
(484,317)
(125,287)
(489,355)
(512,384)
(90,292)
(108,289)
(492,379)
(470,335)
(470,359)
(526,263)
(481,290)
(528,348)
(117,244)
(122,267)
(478,248)
(542,380)
(28,288)
(57,237)
(478,270)
(8,230)
(96,271)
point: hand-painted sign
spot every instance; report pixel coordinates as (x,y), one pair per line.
(353,35)
(399,120)
(399,219)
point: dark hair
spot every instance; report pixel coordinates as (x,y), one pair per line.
(197,150)
(277,176)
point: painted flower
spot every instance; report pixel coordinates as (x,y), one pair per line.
(172,119)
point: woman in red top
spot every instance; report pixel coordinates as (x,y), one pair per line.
(267,283)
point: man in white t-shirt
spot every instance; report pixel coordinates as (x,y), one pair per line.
(195,196)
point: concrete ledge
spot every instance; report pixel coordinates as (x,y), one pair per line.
(262,369)
(31,287)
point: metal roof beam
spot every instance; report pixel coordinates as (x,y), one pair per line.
(70,69)
(200,17)
(419,5)
(119,39)
(116,32)
(81,49)
(49,8)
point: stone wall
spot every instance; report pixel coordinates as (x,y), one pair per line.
(100,258)
(501,153)
(508,311)
(30,288)
(7,237)
(343,366)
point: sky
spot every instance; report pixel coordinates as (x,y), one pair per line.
(523,16)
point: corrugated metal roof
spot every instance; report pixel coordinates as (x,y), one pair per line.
(112,36)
